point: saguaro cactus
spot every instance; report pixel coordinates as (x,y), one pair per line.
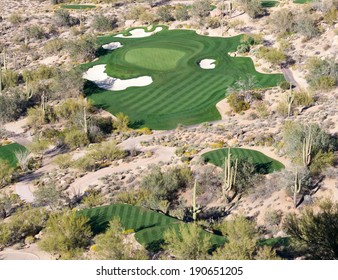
(296,188)
(307,148)
(230,174)
(290,97)
(195,208)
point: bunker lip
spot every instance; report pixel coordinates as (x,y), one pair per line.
(139,33)
(207,63)
(97,75)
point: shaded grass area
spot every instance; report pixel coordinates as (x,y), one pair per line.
(149,226)
(78,7)
(263,163)
(181,92)
(269,4)
(7,153)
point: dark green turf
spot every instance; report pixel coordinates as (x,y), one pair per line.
(181,92)
(148,225)
(264,164)
(78,7)
(7,153)
(269,4)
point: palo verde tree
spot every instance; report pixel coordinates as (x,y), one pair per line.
(314,233)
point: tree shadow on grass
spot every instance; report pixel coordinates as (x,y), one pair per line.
(263,168)
(136,124)
(101,51)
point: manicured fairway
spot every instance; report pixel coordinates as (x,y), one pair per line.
(7,153)
(148,225)
(78,7)
(181,92)
(264,164)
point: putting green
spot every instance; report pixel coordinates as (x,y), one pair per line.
(263,163)
(7,153)
(78,7)
(181,92)
(154,58)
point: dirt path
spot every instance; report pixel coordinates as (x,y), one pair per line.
(164,154)
(289,77)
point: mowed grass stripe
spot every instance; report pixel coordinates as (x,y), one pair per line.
(187,94)
(265,163)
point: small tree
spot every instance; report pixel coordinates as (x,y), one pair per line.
(190,242)
(112,245)
(315,232)
(66,233)
(165,13)
(6,172)
(23,158)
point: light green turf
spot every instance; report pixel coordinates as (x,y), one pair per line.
(7,153)
(264,164)
(78,7)
(184,94)
(302,1)
(154,58)
(148,225)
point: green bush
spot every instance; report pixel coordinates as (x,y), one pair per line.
(75,139)
(102,23)
(237,103)
(271,55)
(63,18)
(181,13)
(285,85)
(243,48)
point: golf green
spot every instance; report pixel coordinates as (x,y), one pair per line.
(149,226)
(182,92)
(7,153)
(78,7)
(263,163)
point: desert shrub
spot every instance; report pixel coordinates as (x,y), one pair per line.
(164,185)
(121,122)
(321,161)
(314,232)
(306,25)
(106,152)
(283,21)
(66,232)
(67,84)
(273,217)
(303,98)
(262,109)
(252,7)
(35,32)
(92,199)
(165,13)
(243,48)
(181,13)
(331,16)
(285,85)
(212,22)
(15,18)
(82,49)
(282,109)
(25,222)
(63,161)
(12,106)
(75,138)
(9,78)
(48,195)
(6,172)
(85,163)
(103,23)
(237,102)
(271,55)
(322,74)
(201,9)
(63,18)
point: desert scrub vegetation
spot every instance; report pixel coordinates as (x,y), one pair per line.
(322,73)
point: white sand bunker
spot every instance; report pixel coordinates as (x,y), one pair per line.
(140,33)
(207,63)
(97,75)
(112,46)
